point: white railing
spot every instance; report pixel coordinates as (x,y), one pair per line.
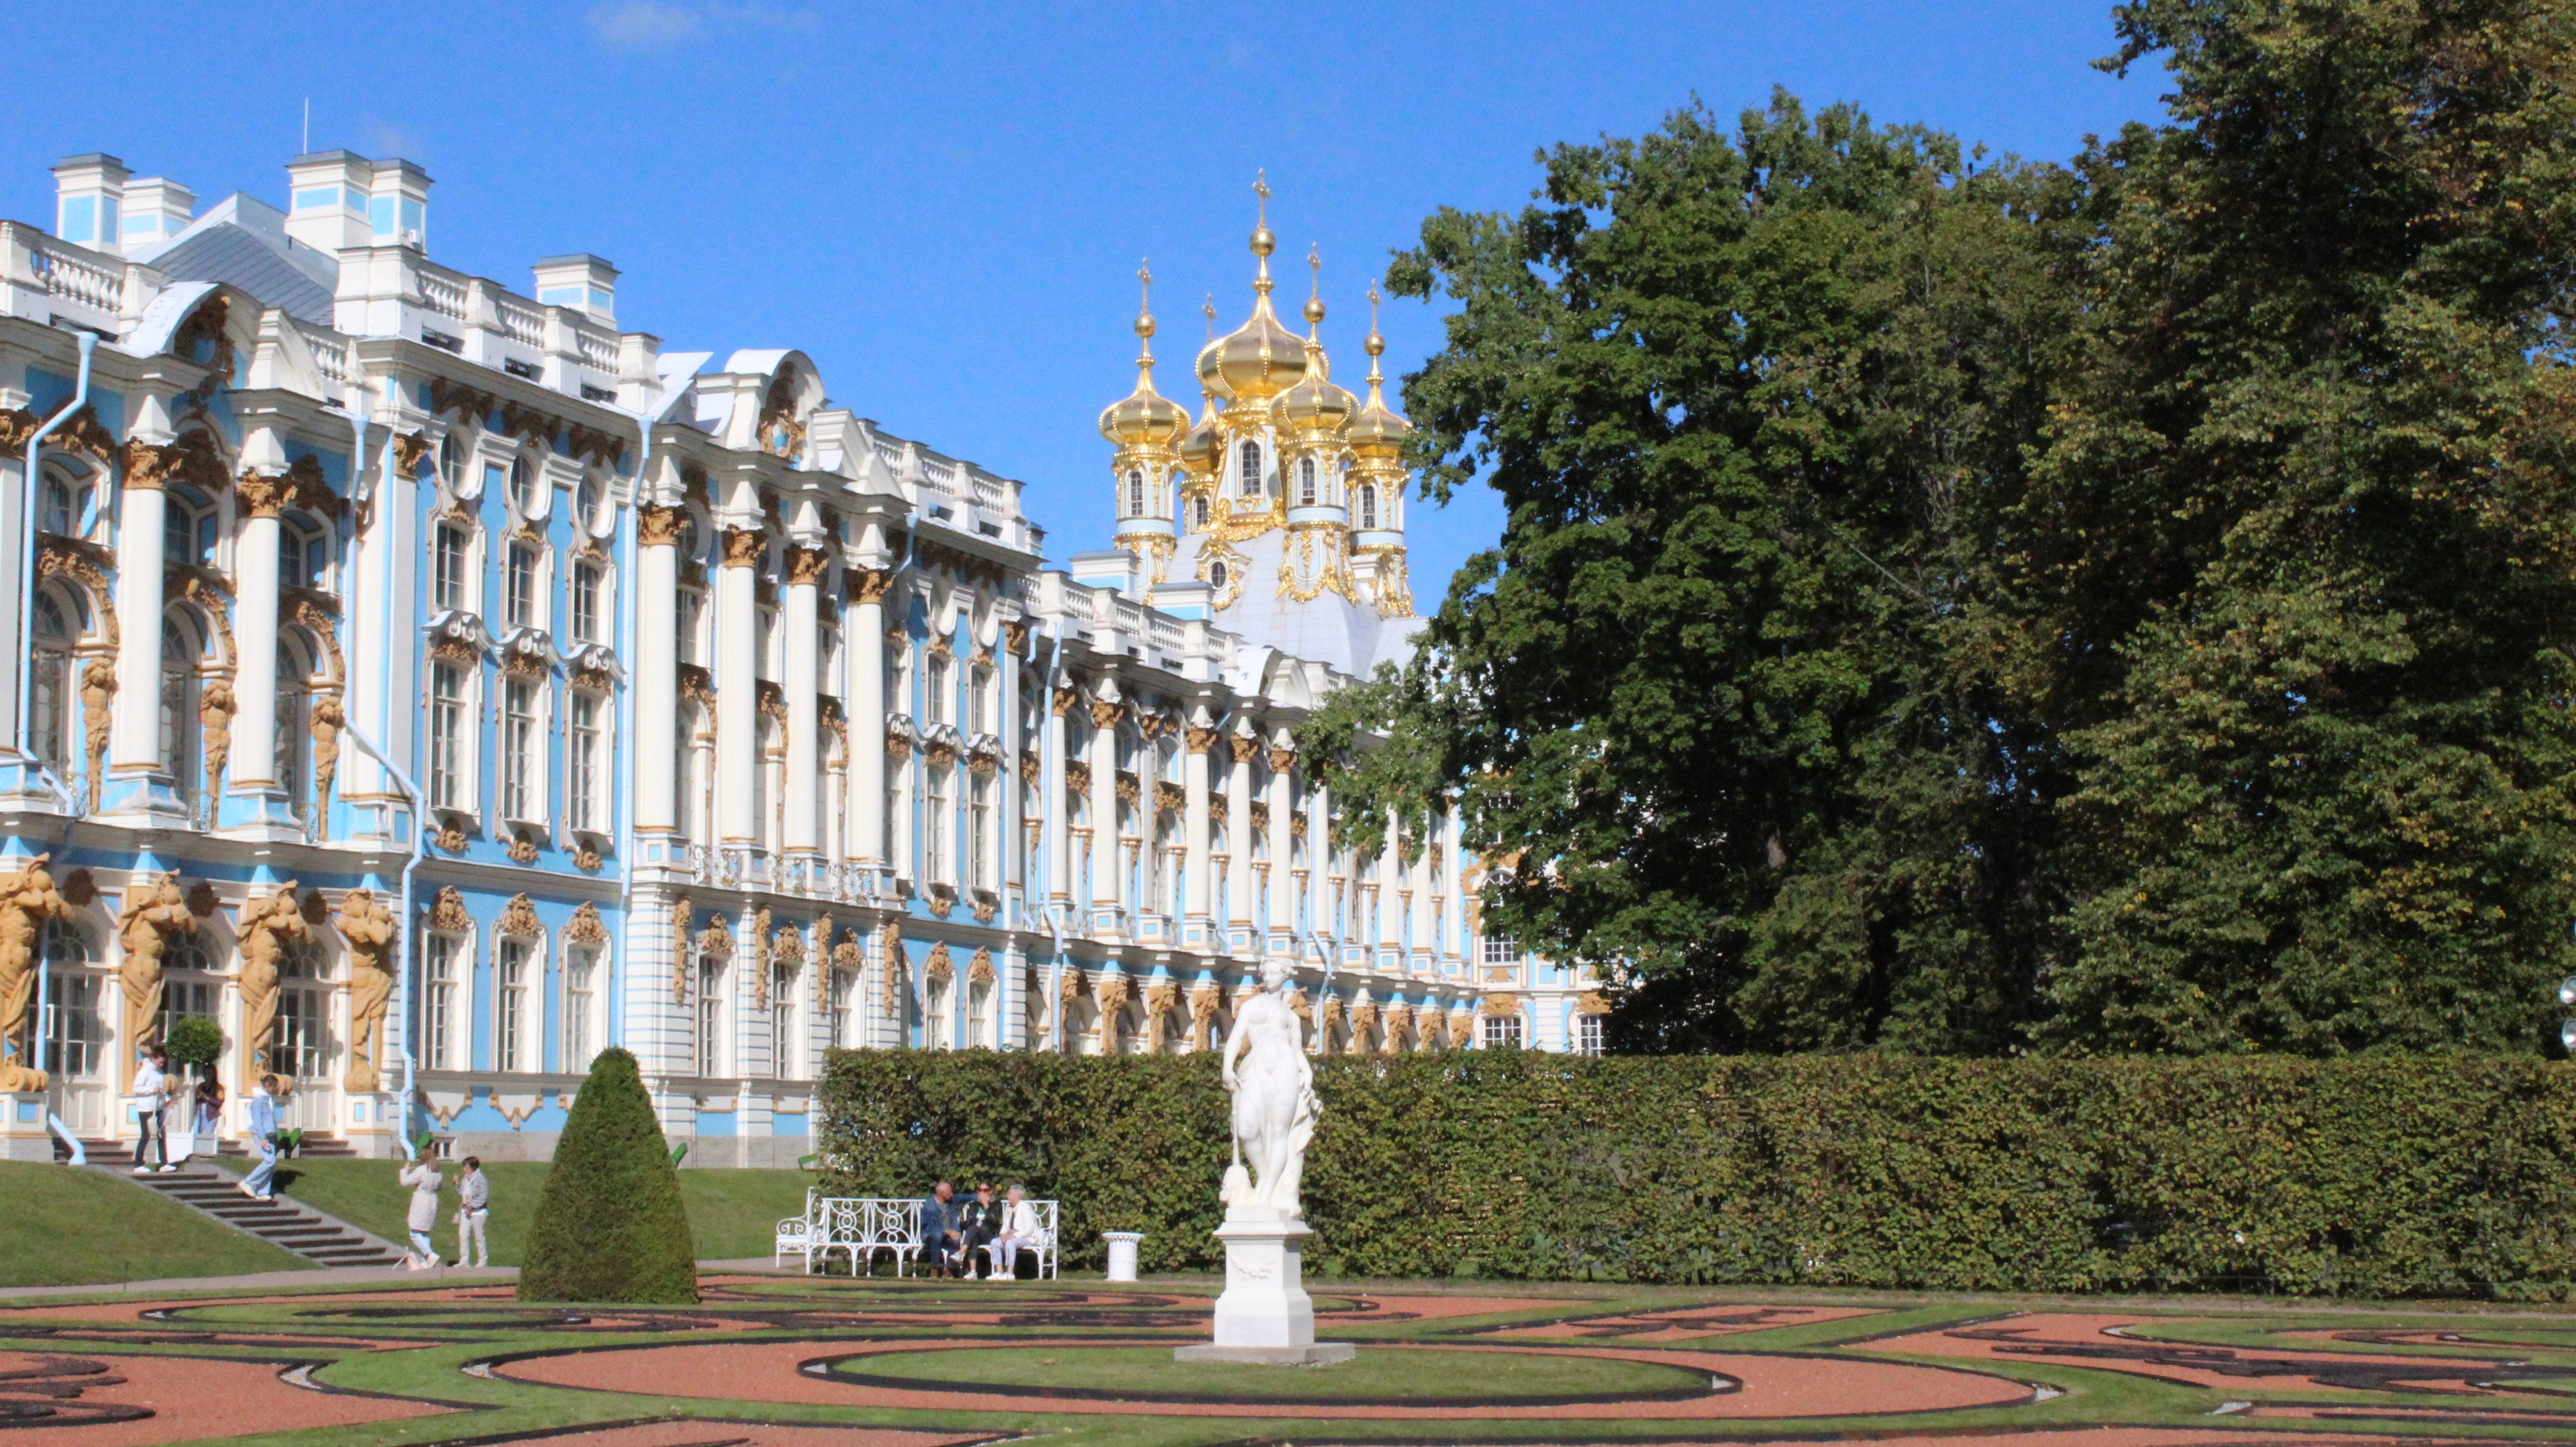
(1167,630)
(939,474)
(988,492)
(442,294)
(521,322)
(330,352)
(68,274)
(598,349)
(887,450)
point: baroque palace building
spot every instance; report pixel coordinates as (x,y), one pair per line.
(431,684)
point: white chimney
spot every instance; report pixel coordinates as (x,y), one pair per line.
(327,193)
(156,209)
(582,282)
(398,205)
(89,200)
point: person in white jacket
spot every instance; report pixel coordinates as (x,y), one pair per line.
(425,1182)
(151,1099)
(1019,1228)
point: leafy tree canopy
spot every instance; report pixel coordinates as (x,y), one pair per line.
(1952,605)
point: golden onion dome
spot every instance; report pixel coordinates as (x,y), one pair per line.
(1260,359)
(1378,431)
(1144,417)
(1315,405)
(1203,451)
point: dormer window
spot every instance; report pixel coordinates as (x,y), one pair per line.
(523,491)
(1250,453)
(1305,482)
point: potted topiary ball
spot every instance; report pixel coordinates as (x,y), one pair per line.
(195,1042)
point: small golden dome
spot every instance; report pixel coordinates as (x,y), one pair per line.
(1260,359)
(1144,417)
(1315,405)
(1378,431)
(1203,451)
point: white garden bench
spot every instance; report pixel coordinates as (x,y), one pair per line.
(800,1235)
(1044,1245)
(860,1227)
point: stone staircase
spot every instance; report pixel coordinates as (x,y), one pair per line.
(324,1240)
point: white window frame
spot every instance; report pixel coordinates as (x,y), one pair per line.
(513,1051)
(441,989)
(523,759)
(586,763)
(457,738)
(578,1038)
(1501,1032)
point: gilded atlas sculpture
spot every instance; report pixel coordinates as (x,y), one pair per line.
(1265,1316)
(28,901)
(268,926)
(366,929)
(153,913)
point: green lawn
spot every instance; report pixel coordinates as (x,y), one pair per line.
(1376,1374)
(64,1226)
(732,1213)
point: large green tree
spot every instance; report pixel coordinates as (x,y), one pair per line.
(1946,606)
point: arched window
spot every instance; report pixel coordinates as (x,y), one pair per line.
(1250,452)
(593,493)
(301,1048)
(1368,505)
(1305,482)
(1203,510)
(53,683)
(523,487)
(179,727)
(451,465)
(178,530)
(78,1047)
(294,723)
(1136,492)
(66,503)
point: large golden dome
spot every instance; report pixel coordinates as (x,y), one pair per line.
(1260,359)
(1144,417)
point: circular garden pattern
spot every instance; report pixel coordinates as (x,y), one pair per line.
(790,1361)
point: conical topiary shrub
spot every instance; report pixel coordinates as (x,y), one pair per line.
(610,1224)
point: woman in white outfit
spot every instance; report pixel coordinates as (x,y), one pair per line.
(425,1182)
(1019,1228)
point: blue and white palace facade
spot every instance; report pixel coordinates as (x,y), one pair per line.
(432,683)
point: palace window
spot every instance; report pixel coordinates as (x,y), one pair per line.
(1217,575)
(52,679)
(451,466)
(581,1006)
(78,1046)
(294,730)
(1250,457)
(587,785)
(1204,509)
(979,864)
(1368,505)
(179,722)
(523,487)
(693,614)
(585,603)
(1502,1032)
(519,591)
(1136,492)
(178,531)
(934,826)
(67,504)
(522,789)
(447,736)
(1502,951)
(448,571)
(1587,1034)
(782,1022)
(979,1013)
(587,502)
(935,706)
(1305,482)
(979,701)
(301,1047)
(441,973)
(510,1007)
(304,557)
(710,1015)
(189,988)
(845,1025)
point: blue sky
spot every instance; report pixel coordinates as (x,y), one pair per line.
(945,205)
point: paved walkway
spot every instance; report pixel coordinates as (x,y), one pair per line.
(350,1275)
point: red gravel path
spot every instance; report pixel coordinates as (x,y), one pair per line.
(192,1397)
(1773,1386)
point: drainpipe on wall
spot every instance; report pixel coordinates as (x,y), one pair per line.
(628,603)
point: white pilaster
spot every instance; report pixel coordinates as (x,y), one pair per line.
(737,688)
(657,679)
(868,718)
(804,716)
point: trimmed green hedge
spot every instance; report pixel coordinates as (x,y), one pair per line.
(2366,1176)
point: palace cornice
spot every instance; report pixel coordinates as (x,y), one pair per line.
(418,361)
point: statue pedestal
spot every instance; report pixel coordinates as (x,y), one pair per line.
(1265,1316)
(23,1133)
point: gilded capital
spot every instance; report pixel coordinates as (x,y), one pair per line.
(1064,701)
(1245,749)
(743,547)
(1282,760)
(261,497)
(149,467)
(868,585)
(805,565)
(410,450)
(657,527)
(1202,739)
(1106,715)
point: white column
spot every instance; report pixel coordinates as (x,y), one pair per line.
(378,598)
(657,677)
(1195,824)
(1059,859)
(134,740)
(804,716)
(737,687)
(1390,889)
(1105,880)
(1010,841)
(868,715)
(255,584)
(1238,831)
(1283,853)
(1316,915)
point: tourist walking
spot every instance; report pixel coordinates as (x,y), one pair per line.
(1019,1228)
(151,1101)
(263,1139)
(425,1182)
(473,1215)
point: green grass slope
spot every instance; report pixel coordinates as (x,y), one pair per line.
(63,1226)
(731,1212)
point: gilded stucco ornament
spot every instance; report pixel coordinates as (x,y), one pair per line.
(366,933)
(268,928)
(28,901)
(153,913)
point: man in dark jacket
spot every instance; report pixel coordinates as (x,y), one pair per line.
(978,1222)
(940,1238)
